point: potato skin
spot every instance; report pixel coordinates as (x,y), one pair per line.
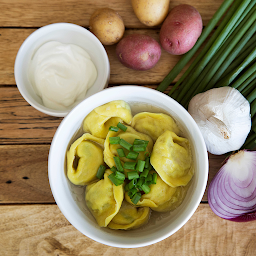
(139,52)
(151,12)
(181,29)
(107,25)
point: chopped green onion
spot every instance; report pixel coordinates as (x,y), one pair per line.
(133,175)
(140,182)
(140,142)
(113,169)
(154,179)
(130,165)
(140,166)
(126,187)
(125,144)
(116,181)
(144,173)
(118,164)
(132,183)
(132,192)
(120,152)
(119,175)
(147,163)
(101,171)
(122,126)
(149,177)
(136,198)
(113,129)
(145,188)
(139,148)
(114,140)
(132,155)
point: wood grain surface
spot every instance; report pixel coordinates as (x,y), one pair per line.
(30,221)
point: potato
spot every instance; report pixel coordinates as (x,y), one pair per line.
(107,25)
(151,12)
(139,52)
(181,29)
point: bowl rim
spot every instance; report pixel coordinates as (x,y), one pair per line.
(49,28)
(57,136)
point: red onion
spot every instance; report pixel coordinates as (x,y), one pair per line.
(232,192)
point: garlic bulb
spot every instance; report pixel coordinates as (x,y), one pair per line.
(223,116)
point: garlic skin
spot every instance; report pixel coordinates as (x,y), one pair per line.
(223,117)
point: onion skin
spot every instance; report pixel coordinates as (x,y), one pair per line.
(232,192)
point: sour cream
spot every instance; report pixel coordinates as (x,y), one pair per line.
(61,74)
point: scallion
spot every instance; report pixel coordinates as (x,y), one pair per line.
(116,181)
(145,188)
(125,144)
(129,165)
(114,140)
(113,129)
(140,165)
(118,164)
(132,175)
(144,174)
(154,178)
(113,169)
(120,152)
(140,142)
(122,126)
(119,175)
(139,148)
(132,192)
(101,171)
(136,198)
(132,155)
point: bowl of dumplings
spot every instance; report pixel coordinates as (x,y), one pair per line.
(128,166)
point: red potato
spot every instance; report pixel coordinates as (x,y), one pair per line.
(139,52)
(181,29)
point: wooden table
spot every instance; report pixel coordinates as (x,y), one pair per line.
(30,221)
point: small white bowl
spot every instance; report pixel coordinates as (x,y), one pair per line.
(71,198)
(64,33)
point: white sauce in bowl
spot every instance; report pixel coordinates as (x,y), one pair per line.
(61,74)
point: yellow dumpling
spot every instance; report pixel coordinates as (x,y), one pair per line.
(110,150)
(110,114)
(171,158)
(130,217)
(161,196)
(154,124)
(84,158)
(104,199)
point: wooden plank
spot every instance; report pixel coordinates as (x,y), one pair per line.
(12,39)
(24,174)
(43,230)
(37,13)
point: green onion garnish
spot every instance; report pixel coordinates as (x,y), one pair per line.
(113,129)
(144,174)
(113,169)
(118,164)
(136,198)
(140,182)
(129,165)
(145,188)
(120,152)
(132,155)
(119,175)
(126,187)
(101,171)
(132,192)
(139,148)
(147,162)
(149,177)
(116,181)
(154,179)
(133,175)
(114,140)
(122,126)
(132,183)
(140,166)
(125,144)
(140,142)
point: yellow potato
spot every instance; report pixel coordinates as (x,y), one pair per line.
(107,25)
(151,12)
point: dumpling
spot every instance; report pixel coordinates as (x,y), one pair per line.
(171,158)
(160,197)
(109,114)
(110,150)
(84,158)
(154,124)
(130,217)
(104,199)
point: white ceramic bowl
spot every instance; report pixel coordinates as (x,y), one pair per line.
(64,33)
(70,198)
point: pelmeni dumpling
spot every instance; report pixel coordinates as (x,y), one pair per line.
(160,197)
(104,199)
(109,114)
(84,158)
(110,150)
(171,158)
(154,124)
(130,217)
